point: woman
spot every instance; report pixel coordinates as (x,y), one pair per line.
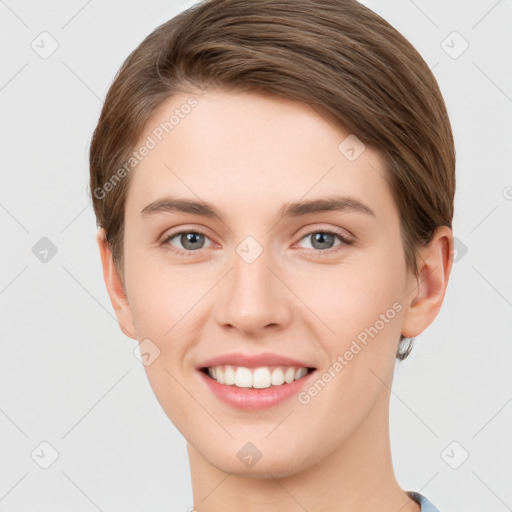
(273,183)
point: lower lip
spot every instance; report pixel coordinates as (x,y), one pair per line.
(252,398)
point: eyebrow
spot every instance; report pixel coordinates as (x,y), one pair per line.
(292,209)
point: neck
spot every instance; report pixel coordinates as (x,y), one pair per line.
(357,476)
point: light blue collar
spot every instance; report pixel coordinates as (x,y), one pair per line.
(425,504)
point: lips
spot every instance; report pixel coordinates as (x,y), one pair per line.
(253,361)
(253,382)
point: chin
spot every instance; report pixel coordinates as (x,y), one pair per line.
(271,461)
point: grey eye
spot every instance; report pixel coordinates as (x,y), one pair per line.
(192,240)
(321,240)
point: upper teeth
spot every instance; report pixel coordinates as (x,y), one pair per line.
(262,377)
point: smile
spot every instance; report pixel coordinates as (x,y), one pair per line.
(258,378)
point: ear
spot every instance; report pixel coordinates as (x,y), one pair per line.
(425,292)
(115,287)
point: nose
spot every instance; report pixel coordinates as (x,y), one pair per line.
(253,298)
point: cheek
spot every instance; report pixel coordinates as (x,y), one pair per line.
(361,305)
(160,300)
(159,295)
(354,296)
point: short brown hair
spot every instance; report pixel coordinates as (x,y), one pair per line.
(336,55)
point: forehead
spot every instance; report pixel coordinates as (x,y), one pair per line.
(253,152)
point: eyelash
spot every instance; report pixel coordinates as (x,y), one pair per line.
(179,252)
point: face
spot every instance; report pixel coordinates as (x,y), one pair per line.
(297,262)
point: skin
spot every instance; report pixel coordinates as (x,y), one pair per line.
(249,154)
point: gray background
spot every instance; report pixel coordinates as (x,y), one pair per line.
(68,375)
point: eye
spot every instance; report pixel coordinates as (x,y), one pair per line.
(323,240)
(191,241)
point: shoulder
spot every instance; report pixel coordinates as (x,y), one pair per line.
(426,505)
